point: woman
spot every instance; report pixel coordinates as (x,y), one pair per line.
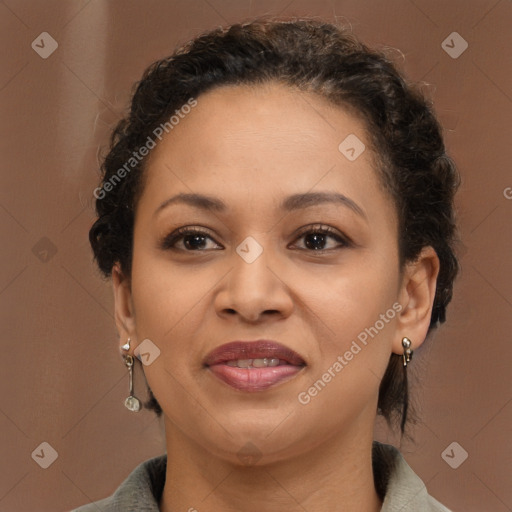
(276,214)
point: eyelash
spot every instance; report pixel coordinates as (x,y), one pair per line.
(169,242)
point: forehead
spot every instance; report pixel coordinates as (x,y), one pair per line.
(284,120)
(263,140)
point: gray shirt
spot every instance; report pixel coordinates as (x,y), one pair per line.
(396,483)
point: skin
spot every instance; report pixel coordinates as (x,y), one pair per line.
(252,147)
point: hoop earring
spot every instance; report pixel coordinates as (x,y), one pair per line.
(407,355)
(131,402)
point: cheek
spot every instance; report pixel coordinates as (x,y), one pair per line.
(354,327)
(168,309)
(349,299)
(353,345)
(166,302)
(172,305)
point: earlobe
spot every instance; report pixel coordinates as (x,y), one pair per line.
(123,306)
(417,298)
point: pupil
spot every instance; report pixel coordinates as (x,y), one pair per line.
(195,238)
(315,237)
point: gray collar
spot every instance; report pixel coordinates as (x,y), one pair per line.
(396,483)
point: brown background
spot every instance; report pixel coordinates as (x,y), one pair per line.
(62,379)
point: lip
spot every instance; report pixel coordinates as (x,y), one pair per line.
(253,379)
(252,350)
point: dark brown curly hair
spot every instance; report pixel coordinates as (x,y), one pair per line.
(314,56)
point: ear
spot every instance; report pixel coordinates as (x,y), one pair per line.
(123,307)
(416,296)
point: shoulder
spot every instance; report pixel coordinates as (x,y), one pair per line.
(141,490)
(401,488)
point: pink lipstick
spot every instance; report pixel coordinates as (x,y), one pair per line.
(254,365)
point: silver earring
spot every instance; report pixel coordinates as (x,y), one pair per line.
(131,402)
(407,355)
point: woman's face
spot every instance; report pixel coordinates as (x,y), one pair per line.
(272,157)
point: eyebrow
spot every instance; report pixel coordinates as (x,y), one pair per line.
(291,203)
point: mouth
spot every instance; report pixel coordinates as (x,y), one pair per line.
(254,365)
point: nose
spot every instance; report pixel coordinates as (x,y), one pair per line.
(254,292)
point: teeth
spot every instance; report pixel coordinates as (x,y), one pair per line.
(256,363)
(261,363)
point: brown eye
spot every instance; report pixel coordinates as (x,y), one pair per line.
(192,239)
(315,238)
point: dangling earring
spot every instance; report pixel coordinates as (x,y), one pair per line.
(407,355)
(131,402)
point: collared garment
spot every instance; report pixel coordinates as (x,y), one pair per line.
(396,483)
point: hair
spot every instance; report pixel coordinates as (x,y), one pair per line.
(313,56)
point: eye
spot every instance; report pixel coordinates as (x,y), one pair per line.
(196,240)
(192,239)
(316,237)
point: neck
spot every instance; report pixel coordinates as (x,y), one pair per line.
(336,475)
